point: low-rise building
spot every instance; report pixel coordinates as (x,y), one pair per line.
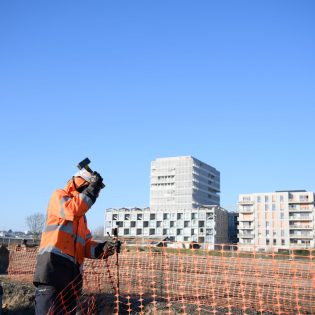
(205,225)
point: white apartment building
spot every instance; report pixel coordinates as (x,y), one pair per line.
(278,220)
(207,224)
(183,183)
(184,205)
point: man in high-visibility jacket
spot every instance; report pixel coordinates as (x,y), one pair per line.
(65,242)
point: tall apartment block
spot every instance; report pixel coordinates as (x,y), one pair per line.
(184,205)
(278,220)
(207,224)
(183,183)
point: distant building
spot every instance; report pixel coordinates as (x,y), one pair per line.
(278,220)
(183,183)
(184,205)
(208,224)
(233,227)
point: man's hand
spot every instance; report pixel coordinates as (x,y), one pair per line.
(110,247)
(94,188)
(96,179)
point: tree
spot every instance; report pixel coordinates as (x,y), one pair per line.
(35,223)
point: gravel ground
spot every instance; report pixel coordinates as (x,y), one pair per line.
(18,297)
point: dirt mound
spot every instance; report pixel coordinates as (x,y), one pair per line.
(18,297)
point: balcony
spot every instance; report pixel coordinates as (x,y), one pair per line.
(300,210)
(246,235)
(246,227)
(246,202)
(300,218)
(246,210)
(301,200)
(300,227)
(297,236)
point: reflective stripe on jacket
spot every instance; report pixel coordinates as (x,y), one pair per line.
(66,232)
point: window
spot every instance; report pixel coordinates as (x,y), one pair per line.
(126,231)
(274,242)
(282,242)
(186,223)
(209,215)
(164,231)
(145,223)
(186,238)
(304,198)
(158,223)
(209,232)
(152,216)
(273,207)
(267,242)
(120,223)
(281,216)
(127,216)
(201,223)
(166,216)
(139,216)
(194,216)
(114,217)
(172,224)
(282,232)
(133,223)
(247,208)
(266,198)
(179,216)
(152,232)
(139,231)
(179,231)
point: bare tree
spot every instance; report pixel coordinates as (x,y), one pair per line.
(35,223)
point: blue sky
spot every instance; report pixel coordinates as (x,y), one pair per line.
(231,83)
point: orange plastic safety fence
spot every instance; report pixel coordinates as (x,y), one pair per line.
(168,278)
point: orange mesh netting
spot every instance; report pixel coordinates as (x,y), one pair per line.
(169,280)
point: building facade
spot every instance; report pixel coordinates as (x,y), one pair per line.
(207,224)
(233,227)
(183,183)
(278,220)
(184,205)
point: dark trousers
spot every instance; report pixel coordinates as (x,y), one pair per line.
(49,301)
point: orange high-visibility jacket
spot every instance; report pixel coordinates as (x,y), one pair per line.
(66,233)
